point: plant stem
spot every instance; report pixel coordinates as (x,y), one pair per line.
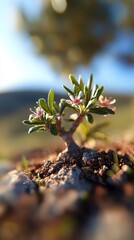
(76,123)
(72,149)
(68,136)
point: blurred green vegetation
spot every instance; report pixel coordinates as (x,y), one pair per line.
(15,140)
(71,32)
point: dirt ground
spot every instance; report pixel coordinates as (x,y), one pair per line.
(90,197)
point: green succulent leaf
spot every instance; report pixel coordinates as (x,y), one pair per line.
(99,92)
(89,84)
(32,122)
(102,110)
(89,118)
(81,84)
(95,87)
(50,99)
(88,96)
(53,129)
(68,90)
(26,122)
(42,103)
(74,81)
(85,89)
(33,129)
(91,103)
(41,130)
(62,106)
(76,90)
(56,107)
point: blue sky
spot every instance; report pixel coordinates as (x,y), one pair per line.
(20,68)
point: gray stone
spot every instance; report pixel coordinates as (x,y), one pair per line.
(89,154)
(13,184)
(69,179)
(5,166)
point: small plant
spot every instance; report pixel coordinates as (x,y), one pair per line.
(84,100)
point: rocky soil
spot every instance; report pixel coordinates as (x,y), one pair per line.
(91,197)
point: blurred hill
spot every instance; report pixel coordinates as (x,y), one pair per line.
(13,101)
(14,108)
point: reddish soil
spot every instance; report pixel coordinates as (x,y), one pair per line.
(104,166)
(104,211)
